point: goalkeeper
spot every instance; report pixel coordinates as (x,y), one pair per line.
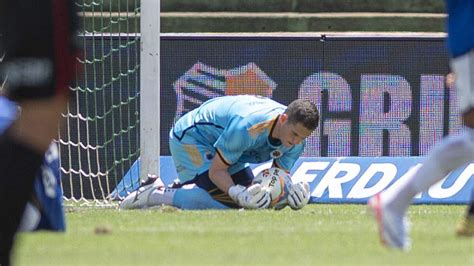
(212,145)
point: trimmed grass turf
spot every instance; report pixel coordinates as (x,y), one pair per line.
(317,235)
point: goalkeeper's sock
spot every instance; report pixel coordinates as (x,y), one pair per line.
(186,198)
(451,153)
(161,195)
(195,198)
(18,167)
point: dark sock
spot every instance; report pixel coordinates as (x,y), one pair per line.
(19,165)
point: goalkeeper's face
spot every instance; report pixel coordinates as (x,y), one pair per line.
(291,134)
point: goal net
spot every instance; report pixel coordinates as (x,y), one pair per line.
(99,138)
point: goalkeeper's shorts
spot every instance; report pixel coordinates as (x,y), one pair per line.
(38,45)
(192,159)
(463,67)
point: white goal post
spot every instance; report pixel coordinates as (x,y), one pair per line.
(149,88)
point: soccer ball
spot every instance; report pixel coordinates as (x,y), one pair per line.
(277,182)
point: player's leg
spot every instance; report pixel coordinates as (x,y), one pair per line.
(192,161)
(153,193)
(451,153)
(187,198)
(466,225)
(196,194)
(199,193)
(241,175)
(39,61)
(391,205)
(189,157)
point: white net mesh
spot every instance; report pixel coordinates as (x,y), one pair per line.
(100,136)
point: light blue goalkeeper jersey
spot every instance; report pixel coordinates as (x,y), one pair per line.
(238,129)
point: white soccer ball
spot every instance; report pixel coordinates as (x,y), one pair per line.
(277,182)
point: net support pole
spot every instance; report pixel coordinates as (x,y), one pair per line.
(149,88)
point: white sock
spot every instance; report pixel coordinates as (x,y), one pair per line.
(161,196)
(446,156)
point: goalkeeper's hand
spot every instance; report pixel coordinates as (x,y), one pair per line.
(299,195)
(252,197)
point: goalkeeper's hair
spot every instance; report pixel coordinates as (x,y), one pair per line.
(304,112)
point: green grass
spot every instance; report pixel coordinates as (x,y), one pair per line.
(316,235)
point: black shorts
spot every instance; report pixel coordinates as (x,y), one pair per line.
(39,43)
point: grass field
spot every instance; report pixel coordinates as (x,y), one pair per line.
(316,235)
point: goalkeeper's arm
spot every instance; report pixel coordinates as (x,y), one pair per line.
(252,197)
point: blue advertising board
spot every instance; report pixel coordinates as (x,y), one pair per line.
(347,179)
